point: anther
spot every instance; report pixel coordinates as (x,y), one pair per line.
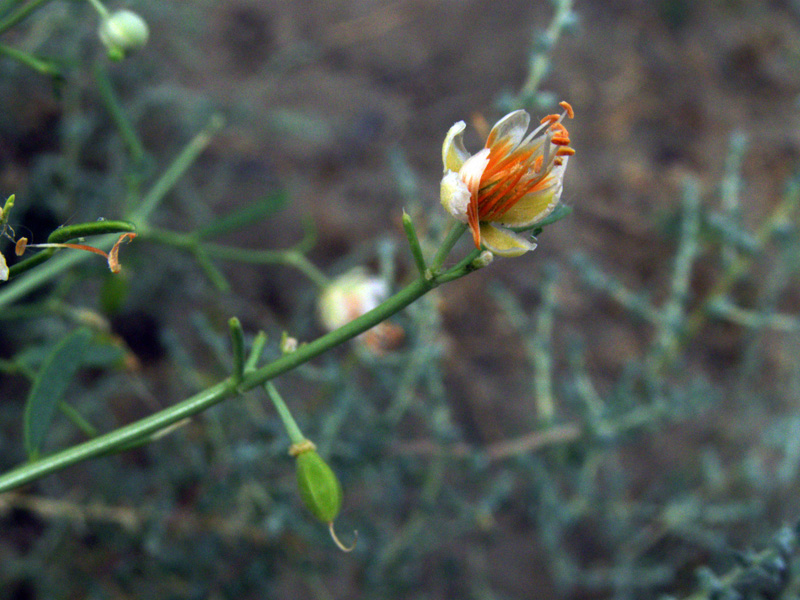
(550,119)
(565,151)
(567,108)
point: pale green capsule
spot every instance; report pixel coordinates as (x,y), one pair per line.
(319,487)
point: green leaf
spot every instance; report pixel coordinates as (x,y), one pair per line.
(49,387)
(250,214)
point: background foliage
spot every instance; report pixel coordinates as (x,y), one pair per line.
(615,415)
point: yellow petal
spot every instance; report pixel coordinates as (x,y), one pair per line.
(453,152)
(503,242)
(535,206)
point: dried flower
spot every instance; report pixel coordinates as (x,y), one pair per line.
(514,181)
(112,256)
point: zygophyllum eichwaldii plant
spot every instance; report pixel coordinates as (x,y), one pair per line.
(510,186)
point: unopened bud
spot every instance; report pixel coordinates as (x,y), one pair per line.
(122,32)
(484,260)
(288,344)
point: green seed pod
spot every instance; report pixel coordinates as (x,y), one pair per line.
(122,32)
(319,487)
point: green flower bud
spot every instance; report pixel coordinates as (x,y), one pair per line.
(318,485)
(484,260)
(123,32)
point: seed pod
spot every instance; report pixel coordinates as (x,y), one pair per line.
(319,487)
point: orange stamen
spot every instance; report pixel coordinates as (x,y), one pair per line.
(519,193)
(565,151)
(113,256)
(549,119)
(537,164)
(487,205)
(557,161)
(568,108)
(560,141)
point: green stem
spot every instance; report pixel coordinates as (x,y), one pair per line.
(453,235)
(228,388)
(539,62)
(237,342)
(100,8)
(295,435)
(114,108)
(77,419)
(7,5)
(14,290)
(215,394)
(256,350)
(175,171)
(191,243)
(413,243)
(71,232)
(41,66)
(21,14)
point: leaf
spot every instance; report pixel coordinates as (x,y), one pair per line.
(249,215)
(49,387)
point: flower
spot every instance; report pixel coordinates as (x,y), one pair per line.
(122,32)
(514,181)
(354,294)
(350,296)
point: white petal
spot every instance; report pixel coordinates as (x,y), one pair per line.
(3,268)
(453,152)
(473,168)
(510,129)
(455,196)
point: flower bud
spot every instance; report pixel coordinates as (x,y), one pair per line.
(318,485)
(484,260)
(123,32)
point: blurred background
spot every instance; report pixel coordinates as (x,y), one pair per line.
(614,415)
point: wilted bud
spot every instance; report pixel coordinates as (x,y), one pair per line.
(122,32)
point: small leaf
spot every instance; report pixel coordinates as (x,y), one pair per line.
(49,387)
(249,215)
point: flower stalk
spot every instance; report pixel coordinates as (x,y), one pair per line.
(227,388)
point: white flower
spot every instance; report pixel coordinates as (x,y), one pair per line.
(514,181)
